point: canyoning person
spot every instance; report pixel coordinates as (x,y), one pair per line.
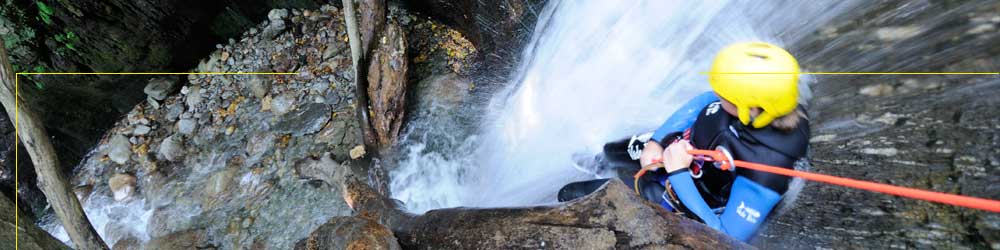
(752,117)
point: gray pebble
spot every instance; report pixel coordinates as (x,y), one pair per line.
(186,126)
(141,130)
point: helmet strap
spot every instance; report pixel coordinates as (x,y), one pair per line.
(762,120)
(743,112)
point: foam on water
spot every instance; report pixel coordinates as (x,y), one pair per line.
(112,219)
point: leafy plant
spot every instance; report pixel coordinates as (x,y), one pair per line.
(44,12)
(67,40)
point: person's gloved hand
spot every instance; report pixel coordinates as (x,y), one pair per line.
(651,153)
(676,158)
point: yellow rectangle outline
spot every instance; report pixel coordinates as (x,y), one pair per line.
(17,139)
(17,95)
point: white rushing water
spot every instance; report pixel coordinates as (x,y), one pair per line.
(594,71)
(113,220)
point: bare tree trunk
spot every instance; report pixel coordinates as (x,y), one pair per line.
(359,54)
(387,85)
(371,25)
(43,155)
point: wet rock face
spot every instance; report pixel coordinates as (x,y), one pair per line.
(188,239)
(350,233)
(930,132)
(127,244)
(435,49)
(501,27)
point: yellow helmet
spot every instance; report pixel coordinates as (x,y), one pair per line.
(732,78)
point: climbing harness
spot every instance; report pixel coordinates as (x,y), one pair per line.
(635,181)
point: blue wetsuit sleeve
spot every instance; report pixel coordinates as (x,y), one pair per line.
(749,204)
(684,116)
(684,187)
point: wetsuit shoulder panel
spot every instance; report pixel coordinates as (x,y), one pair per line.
(685,116)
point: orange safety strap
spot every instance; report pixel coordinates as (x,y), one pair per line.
(951,199)
(635,180)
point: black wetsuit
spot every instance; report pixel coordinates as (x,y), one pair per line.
(766,145)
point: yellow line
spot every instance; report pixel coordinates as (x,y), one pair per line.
(851,73)
(17,170)
(159,73)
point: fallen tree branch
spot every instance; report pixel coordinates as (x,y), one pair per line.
(360,66)
(610,218)
(50,179)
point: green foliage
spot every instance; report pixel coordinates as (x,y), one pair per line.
(29,81)
(13,19)
(9,41)
(38,69)
(67,39)
(44,12)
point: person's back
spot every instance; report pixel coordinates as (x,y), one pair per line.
(768,145)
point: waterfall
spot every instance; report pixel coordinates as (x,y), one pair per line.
(594,71)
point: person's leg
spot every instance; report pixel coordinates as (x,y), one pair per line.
(615,157)
(649,188)
(579,189)
(616,153)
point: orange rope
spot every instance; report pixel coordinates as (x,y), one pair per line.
(951,199)
(635,179)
